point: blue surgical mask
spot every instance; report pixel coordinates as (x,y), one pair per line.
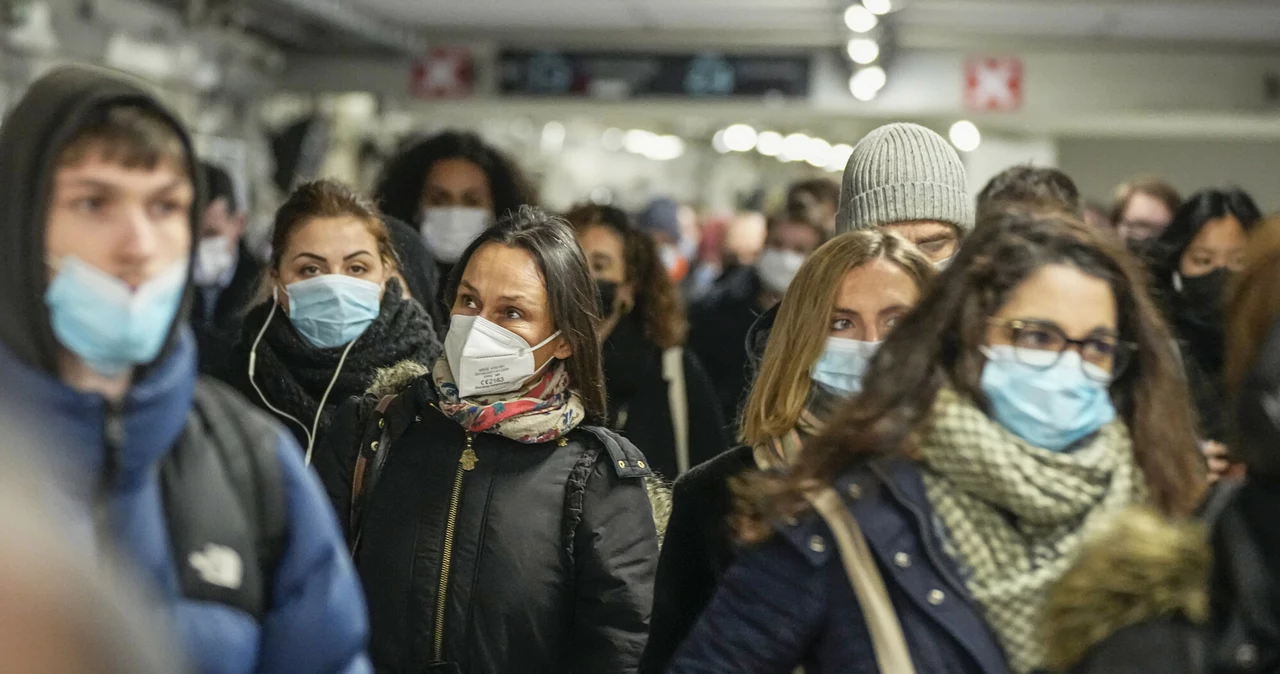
(334,309)
(1051,409)
(843,363)
(110,326)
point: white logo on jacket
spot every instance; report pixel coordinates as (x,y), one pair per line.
(218,565)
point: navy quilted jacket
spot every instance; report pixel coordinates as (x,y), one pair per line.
(788,602)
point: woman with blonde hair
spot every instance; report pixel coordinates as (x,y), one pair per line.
(841,305)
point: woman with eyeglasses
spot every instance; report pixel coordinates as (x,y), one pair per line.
(1030,396)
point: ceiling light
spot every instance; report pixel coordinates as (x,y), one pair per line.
(839,156)
(665,148)
(794,147)
(866,84)
(965,136)
(740,138)
(611,139)
(553,134)
(769,143)
(859,19)
(638,141)
(880,7)
(819,152)
(863,50)
(718,144)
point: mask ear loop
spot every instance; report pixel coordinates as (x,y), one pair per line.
(253,366)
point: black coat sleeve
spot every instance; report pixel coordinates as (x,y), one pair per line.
(615,557)
(686,580)
(708,432)
(334,459)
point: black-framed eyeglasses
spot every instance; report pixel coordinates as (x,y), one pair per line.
(1040,345)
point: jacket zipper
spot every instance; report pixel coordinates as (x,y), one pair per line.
(113,443)
(466,463)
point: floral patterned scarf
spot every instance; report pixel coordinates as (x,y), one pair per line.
(544,410)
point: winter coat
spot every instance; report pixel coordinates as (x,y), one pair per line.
(315,621)
(293,374)
(788,602)
(697,550)
(639,401)
(217,327)
(541,556)
(314,618)
(718,327)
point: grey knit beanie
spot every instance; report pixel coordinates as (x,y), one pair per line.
(903,172)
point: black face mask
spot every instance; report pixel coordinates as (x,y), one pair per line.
(1205,290)
(607,295)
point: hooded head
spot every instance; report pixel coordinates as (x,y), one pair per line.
(98,177)
(909,178)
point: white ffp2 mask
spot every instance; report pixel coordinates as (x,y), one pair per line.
(448,230)
(487,358)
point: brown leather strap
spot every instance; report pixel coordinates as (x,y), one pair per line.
(362,464)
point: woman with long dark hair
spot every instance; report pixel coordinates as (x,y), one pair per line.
(660,397)
(1031,394)
(496,529)
(1193,263)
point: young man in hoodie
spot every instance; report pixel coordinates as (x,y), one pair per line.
(206,499)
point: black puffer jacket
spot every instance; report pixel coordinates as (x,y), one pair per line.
(541,556)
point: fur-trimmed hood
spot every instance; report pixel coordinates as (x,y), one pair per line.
(1142,567)
(392,380)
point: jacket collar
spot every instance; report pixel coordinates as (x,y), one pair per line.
(154,412)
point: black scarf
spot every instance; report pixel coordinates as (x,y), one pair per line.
(293,374)
(628,358)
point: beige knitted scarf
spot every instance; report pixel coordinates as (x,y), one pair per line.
(1015,515)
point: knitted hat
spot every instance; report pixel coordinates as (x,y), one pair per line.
(903,172)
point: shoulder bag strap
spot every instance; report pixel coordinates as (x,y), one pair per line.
(677,397)
(892,654)
(369,454)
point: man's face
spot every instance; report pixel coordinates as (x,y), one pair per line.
(218,220)
(130,223)
(937,240)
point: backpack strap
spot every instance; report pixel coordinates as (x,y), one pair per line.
(369,463)
(224,501)
(677,398)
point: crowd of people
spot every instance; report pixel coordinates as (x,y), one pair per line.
(889,428)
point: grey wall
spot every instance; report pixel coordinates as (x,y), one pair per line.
(1098,165)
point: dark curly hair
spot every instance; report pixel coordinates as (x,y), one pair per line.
(399,187)
(939,343)
(657,300)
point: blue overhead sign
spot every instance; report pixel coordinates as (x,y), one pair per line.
(640,75)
